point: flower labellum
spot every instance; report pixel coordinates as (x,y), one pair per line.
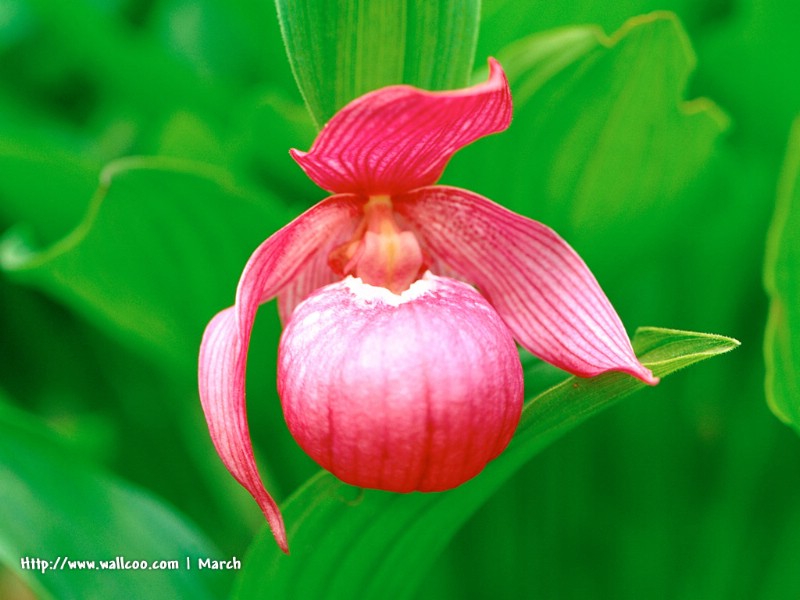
(416,391)
(402,302)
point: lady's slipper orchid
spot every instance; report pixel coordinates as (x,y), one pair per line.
(393,371)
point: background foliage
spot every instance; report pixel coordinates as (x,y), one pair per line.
(143,155)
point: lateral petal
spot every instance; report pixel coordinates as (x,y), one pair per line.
(539,285)
(315,274)
(399,138)
(223,352)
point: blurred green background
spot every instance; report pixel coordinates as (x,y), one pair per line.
(144,154)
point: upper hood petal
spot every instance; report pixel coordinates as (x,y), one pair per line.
(223,352)
(399,138)
(540,286)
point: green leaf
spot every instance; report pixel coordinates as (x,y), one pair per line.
(57,507)
(782,280)
(158,253)
(601,140)
(45,187)
(746,61)
(340,50)
(185,135)
(348,543)
(505,20)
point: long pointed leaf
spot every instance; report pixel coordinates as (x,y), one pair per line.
(352,543)
(340,50)
(782,280)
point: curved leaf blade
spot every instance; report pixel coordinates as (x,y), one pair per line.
(782,281)
(56,506)
(341,50)
(602,137)
(359,543)
(157,254)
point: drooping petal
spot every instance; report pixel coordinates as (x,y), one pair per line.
(540,286)
(399,138)
(223,399)
(223,352)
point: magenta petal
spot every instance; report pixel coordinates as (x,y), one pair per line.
(222,395)
(540,286)
(399,138)
(315,274)
(223,353)
(400,392)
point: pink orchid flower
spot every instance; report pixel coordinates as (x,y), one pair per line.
(394,372)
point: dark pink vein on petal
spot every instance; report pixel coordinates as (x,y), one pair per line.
(543,290)
(399,138)
(223,352)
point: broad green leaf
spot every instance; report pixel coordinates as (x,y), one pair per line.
(505,20)
(601,141)
(186,136)
(748,59)
(158,253)
(340,50)
(119,408)
(348,543)
(782,280)
(46,188)
(57,507)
